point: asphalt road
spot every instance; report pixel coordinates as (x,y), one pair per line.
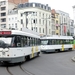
(46,64)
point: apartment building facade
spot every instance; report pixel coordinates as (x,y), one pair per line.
(55,22)
(35,16)
(74,18)
(3,13)
(71,31)
(5,7)
(64,22)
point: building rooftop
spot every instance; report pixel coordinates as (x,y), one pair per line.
(18,1)
(33,4)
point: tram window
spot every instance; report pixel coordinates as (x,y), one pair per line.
(74,41)
(60,41)
(25,41)
(39,41)
(36,42)
(31,42)
(18,41)
(67,41)
(70,41)
(63,41)
(15,42)
(57,41)
(53,42)
(22,41)
(28,41)
(50,42)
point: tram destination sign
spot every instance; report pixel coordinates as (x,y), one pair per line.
(5,32)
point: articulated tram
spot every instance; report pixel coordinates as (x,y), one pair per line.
(57,43)
(18,46)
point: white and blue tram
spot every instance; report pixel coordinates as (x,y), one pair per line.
(17,46)
(56,43)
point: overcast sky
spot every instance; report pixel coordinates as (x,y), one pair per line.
(63,5)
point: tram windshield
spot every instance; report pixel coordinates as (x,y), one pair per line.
(44,42)
(5,41)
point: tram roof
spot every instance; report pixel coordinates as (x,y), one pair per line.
(17,32)
(57,37)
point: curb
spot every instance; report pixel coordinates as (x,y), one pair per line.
(73,59)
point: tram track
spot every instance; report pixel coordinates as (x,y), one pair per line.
(22,69)
(8,71)
(26,71)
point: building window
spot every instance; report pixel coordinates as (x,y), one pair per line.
(39,21)
(64,19)
(56,22)
(3,20)
(3,8)
(21,21)
(3,25)
(9,25)
(43,30)
(34,21)
(3,14)
(32,28)
(43,15)
(39,30)
(56,16)
(31,21)
(12,25)
(21,14)
(34,13)
(36,29)
(3,3)
(15,25)
(56,27)
(56,33)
